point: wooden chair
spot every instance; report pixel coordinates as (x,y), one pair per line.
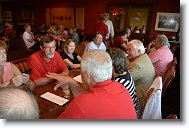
(84,43)
(170,74)
(21,64)
(172,116)
(173,63)
(107,43)
(152,105)
(20,46)
(80,50)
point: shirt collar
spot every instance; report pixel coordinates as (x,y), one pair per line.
(103,83)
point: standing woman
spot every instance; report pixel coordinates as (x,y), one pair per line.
(70,57)
(121,75)
(10,76)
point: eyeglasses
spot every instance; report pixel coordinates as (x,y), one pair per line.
(49,48)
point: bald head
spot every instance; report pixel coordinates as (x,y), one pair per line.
(17,104)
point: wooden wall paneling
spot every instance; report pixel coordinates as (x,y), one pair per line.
(80,18)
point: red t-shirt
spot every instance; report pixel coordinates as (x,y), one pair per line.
(102,28)
(41,67)
(117,44)
(9,33)
(106,100)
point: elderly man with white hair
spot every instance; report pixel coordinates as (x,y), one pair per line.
(140,67)
(161,56)
(17,104)
(104,99)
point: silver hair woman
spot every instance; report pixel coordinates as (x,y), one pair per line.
(163,40)
(100,68)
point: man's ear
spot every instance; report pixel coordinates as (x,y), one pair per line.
(88,75)
(89,79)
(139,50)
(41,48)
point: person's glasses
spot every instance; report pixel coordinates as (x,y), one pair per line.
(49,48)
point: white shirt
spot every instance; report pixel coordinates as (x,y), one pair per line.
(93,46)
(27,36)
(110,29)
(152,109)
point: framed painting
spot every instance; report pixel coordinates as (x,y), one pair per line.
(26,14)
(167,21)
(7,16)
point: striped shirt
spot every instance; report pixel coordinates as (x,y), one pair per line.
(127,81)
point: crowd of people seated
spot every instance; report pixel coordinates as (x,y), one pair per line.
(118,77)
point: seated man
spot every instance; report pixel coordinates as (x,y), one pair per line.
(140,67)
(46,60)
(122,40)
(17,104)
(105,99)
(96,44)
(28,38)
(162,56)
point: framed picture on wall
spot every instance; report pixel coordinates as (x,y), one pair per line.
(26,14)
(167,21)
(7,16)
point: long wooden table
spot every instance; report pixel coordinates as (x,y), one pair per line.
(47,109)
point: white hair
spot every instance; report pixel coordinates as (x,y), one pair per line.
(98,64)
(137,44)
(17,104)
(163,40)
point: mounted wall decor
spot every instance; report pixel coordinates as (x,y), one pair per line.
(167,21)
(7,16)
(26,14)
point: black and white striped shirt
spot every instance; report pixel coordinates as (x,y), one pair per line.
(127,81)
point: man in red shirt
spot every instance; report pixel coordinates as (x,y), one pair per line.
(9,31)
(104,99)
(46,60)
(122,40)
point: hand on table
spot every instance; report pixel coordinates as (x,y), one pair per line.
(66,83)
(63,81)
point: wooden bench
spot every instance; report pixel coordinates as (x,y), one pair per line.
(21,64)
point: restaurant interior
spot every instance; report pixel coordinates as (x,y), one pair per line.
(83,15)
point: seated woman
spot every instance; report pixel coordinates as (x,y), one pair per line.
(121,75)
(70,57)
(10,76)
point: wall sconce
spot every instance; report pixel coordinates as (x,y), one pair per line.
(115,11)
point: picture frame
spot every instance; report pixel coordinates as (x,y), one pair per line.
(167,21)
(26,14)
(7,16)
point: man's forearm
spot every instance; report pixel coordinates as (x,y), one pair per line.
(65,73)
(42,81)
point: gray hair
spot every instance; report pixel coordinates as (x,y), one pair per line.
(17,104)
(46,39)
(163,40)
(98,64)
(137,44)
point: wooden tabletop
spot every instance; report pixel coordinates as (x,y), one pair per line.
(48,109)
